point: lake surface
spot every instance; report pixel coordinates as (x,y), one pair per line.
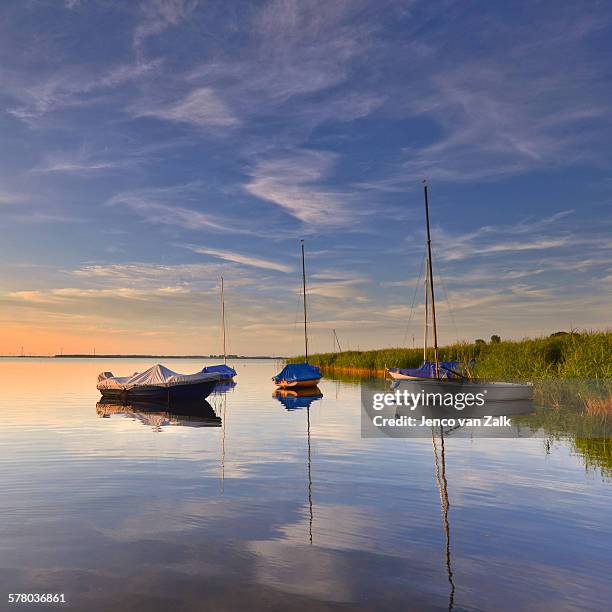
(281,509)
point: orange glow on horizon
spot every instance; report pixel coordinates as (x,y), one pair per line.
(38,340)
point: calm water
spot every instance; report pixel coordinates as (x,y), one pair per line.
(155,512)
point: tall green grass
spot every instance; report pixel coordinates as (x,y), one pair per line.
(585,354)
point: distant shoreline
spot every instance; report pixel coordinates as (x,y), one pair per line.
(77,356)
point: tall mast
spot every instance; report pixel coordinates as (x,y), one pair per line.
(431,284)
(426,313)
(305,314)
(337,341)
(223,320)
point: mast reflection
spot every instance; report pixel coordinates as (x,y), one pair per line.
(309,474)
(440,463)
(294,399)
(219,399)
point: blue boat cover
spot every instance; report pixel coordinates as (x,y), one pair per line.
(295,372)
(225,371)
(294,402)
(428,369)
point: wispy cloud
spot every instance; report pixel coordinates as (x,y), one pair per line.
(135,272)
(292,52)
(21,209)
(69,293)
(508,111)
(160,206)
(245,260)
(93,158)
(8,198)
(474,244)
(158,15)
(339,290)
(294,182)
(462,249)
(81,162)
(196,123)
(526,235)
(202,107)
(191,206)
(70,87)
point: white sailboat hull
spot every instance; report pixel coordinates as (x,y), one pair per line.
(494,391)
(400,376)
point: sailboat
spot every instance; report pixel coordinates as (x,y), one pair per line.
(299,375)
(226,372)
(429,369)
(455,375)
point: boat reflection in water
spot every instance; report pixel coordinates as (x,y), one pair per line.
(494,409)
(186,414)
(219,399)
(294,399)
(440,472)
(492,419)
(223,386)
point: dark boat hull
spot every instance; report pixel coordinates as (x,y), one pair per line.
(168,395)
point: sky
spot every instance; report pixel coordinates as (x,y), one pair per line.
(149,148)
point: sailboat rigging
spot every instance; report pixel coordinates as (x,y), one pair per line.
(426,314)
(227,373)
(223,320)
(452,375)
(300,375)
(429,369)
(431,282)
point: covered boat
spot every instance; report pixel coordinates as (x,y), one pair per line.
(158,383)
(297,375)
(447,370)
(300,375)
(226,372)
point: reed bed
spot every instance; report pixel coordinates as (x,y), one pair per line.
(586,354)
(572,375)
(598,406)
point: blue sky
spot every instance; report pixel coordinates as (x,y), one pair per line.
(149,147)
